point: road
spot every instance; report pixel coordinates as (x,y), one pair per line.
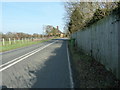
(45,65)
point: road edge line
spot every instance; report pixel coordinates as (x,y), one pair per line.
(70,70)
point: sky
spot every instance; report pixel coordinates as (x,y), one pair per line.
(30,17)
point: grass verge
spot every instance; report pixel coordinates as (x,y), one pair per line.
(19,45)
(89,73)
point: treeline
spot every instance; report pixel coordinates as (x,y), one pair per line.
(20,35)
(49,31)
(80,15)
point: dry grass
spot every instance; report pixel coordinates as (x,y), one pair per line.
(89,73)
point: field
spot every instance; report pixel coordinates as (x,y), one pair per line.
(18,44)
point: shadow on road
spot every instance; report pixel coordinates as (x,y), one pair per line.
(55,73)
(63,39)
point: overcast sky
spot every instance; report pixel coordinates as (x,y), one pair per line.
(29,17)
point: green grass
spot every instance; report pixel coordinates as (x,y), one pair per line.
(19,44)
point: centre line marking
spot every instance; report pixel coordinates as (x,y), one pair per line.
(26,55)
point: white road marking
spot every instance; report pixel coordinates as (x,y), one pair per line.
(20,58)
(17,58)
(69,66)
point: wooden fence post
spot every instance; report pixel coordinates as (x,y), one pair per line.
(25,39)
(9,41)
(3,41)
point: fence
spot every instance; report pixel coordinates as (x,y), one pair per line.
(10,41)
(101,40)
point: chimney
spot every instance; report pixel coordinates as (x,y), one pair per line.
(57,27)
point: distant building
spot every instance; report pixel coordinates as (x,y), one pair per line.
(62,35)
(56,32)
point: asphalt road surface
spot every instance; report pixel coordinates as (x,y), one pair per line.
(45,65)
